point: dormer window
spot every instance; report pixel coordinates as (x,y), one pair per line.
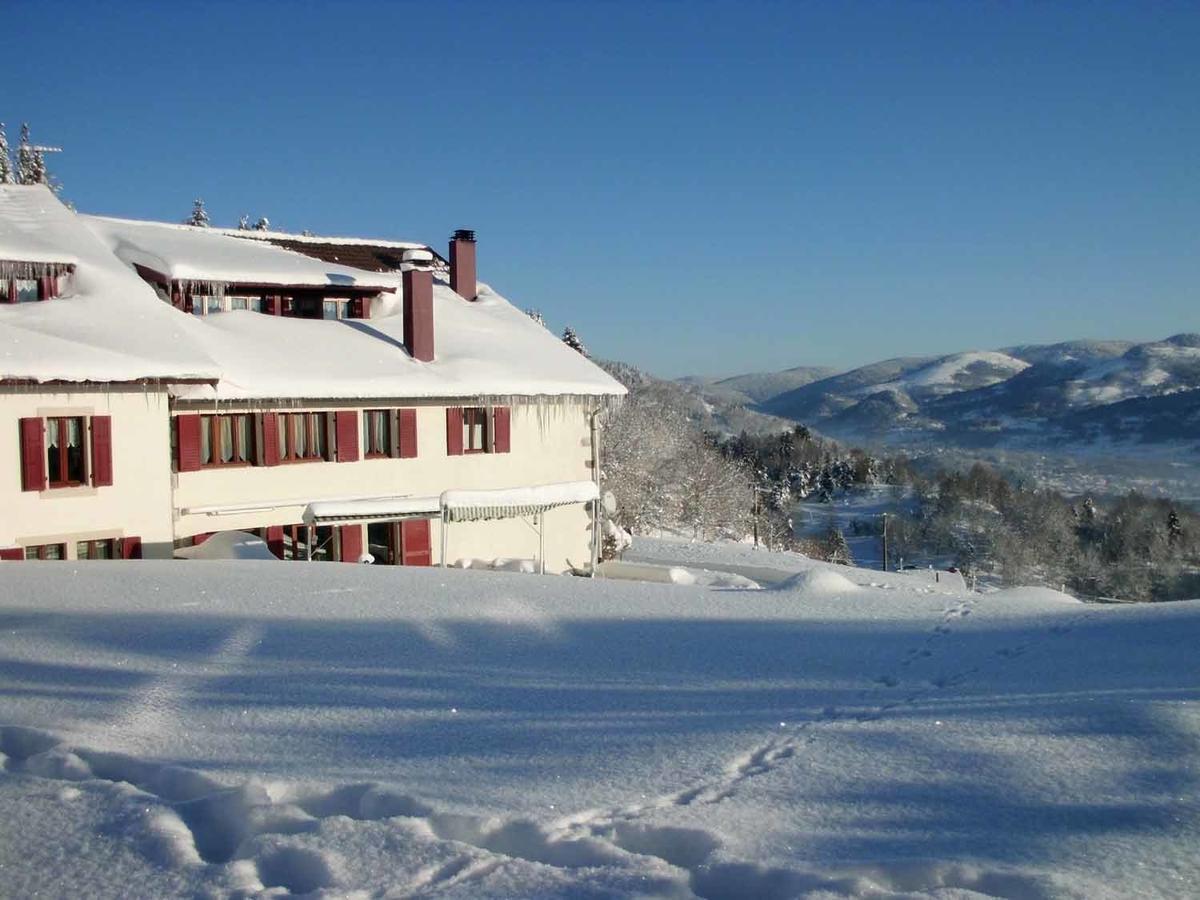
(29,282)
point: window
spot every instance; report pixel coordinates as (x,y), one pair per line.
(103,549)
(377,432)
(295,543)
(226,440)
(474,419)
(64,451)
(302,436)
(46,551)
(26,290)
(334,309)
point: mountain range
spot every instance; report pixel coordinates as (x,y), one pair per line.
(1024,397)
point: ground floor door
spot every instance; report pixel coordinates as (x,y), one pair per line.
(382,543)
(416,548)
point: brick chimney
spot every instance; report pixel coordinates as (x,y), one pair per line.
(462,264)
(418,312)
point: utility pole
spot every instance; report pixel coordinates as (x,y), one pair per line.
(885,546)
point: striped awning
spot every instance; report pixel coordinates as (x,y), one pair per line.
(511,503)
(375,509)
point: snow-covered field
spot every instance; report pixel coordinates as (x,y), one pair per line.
(215,729)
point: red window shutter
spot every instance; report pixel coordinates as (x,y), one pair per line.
(131,548)
(14,554)
(33,455)
(501,429)
(454,428)
(274,306)
(347,435)
(274,539)
(187,443)
(416,548)
(352,545)
(407,419)
(10,290)
(268,447)
(102,474)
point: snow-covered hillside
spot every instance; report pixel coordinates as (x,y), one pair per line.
(1078,392)
(217,729)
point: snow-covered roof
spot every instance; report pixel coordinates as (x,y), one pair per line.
(483,348)
(112,326)
(109,326)
(189,253)
(271,236)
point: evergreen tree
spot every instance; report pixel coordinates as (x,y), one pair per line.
(536,315)
(6,170)
(837,548)
(199,216)
(263,224)
(244,223)
(571,339)
(1174,529)
(25,157)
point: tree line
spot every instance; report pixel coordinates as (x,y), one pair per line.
(667,473)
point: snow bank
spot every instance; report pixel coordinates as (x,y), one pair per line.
(244,728)
(818,583)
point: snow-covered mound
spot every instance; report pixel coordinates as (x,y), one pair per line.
(262,729)
(228,545)
(818,582)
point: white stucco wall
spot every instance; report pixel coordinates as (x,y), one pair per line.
(138,503)
(550,443)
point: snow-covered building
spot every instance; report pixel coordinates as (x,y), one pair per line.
(164,382)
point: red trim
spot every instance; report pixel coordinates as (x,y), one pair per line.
(102,472)
(274,539)
(33,455)
(268,424)
(198,539)
(454,431)
(131,548)
(347,435)
(187,443)
(407,426)
(502,429)
(352,542)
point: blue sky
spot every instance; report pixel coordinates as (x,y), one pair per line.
(694,187)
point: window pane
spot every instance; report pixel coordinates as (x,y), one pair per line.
(282,426)
(53,551)
(206,456)
(75,471)
(318,434)
(103,550)
(212,304)
(330,309)
(238,303)
(31,553)
(53,451)
(81,550)
(197,306)
(27,290)
(226,424)
(300,433)
(243,438)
